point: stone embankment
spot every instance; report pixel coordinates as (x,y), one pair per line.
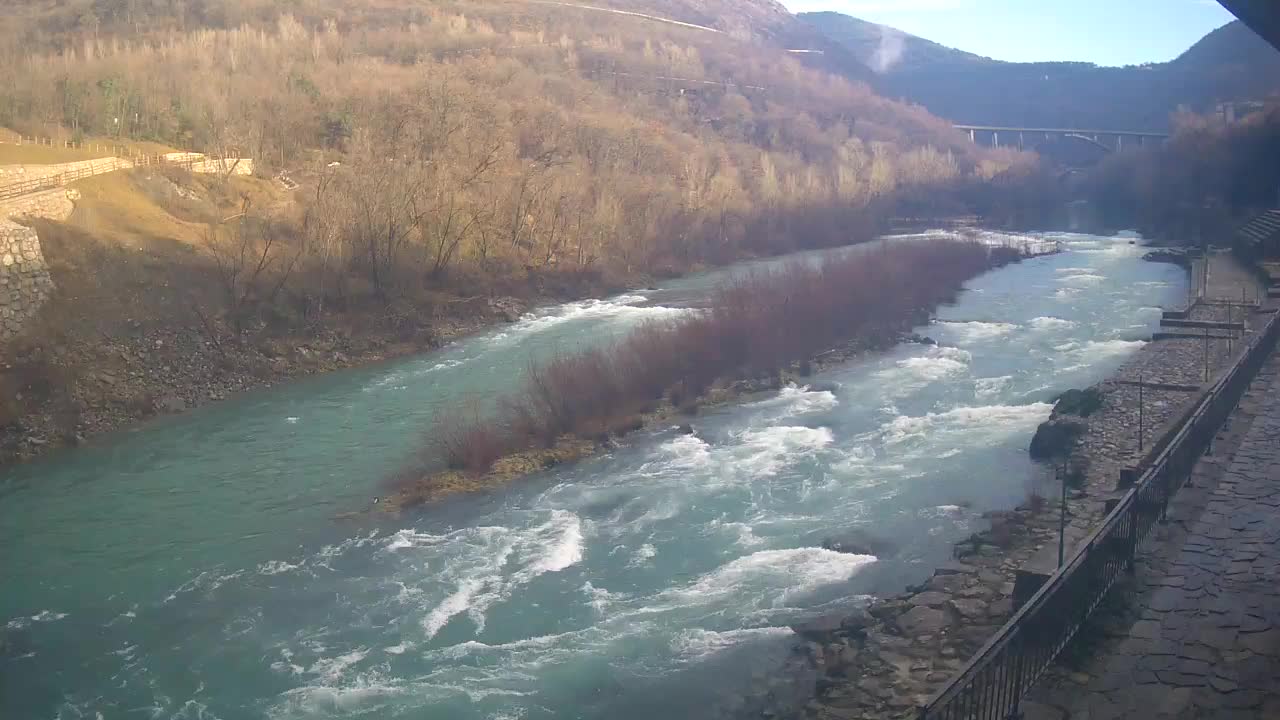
(24,278)
(886,660)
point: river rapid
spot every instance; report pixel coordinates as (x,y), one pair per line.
(193,567)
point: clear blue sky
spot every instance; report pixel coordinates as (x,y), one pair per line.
(1106,32)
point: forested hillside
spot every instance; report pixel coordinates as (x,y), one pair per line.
(492,134)
(1230,64)
(449,155)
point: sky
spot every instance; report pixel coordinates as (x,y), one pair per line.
(1106,32)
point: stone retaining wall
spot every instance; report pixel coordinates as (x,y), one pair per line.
(19,173)
(24,278)
(55,204)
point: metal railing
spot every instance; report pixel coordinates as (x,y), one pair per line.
(994,681)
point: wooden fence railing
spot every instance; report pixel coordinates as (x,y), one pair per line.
(91,168)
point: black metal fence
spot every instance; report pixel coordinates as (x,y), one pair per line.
(994,681)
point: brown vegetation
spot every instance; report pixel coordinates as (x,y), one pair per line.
(756,326)
(1204,182)
(447,154)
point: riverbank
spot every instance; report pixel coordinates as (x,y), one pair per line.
(887,659)
(115,380)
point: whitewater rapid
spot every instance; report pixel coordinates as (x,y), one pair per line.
(194,569)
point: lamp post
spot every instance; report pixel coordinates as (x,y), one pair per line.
(1062,515)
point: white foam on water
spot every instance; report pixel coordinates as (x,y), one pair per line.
(933,368)
(399,379)
(600,599)
(399,649)
(762,453)
(48,616)
(331,669)
(365,694)
(1084,279)
(276,567)
(292,420)
(986,420)
(687,452)
(1110,348)
(564,544)
(478,565)
(408,538)
(622,307)
(976,331)
(457,603)
(696,645)
(642,555)
(1067,293)
(1050,324)
(755,580)
(797,400)
(986,388)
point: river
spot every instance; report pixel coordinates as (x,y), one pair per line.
(193,567)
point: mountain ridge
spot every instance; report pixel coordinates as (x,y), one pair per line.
(1229,64)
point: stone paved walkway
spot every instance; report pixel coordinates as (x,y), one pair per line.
(1201,637)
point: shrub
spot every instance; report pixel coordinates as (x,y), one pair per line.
(756,325)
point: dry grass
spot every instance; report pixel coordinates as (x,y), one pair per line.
(138,208)
(43,155)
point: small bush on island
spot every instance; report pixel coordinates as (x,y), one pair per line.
(757,325)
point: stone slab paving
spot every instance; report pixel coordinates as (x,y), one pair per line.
(1199,635)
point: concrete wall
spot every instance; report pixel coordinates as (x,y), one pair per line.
(24,278)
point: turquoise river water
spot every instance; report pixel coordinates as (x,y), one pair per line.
(193,567)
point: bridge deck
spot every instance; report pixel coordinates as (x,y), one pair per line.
(1062,131)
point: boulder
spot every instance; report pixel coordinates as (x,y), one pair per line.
(970,609)
(920,620)
(1055,438)
(1082,403)
(819,629)
(930,599)
(858,542)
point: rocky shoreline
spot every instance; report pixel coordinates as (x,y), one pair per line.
(166,371)
(888,658)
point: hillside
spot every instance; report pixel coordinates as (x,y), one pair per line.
(450,159)
(1229,64)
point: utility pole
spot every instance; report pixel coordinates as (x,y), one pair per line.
(1141,416)
(1062,517)
(1206,354)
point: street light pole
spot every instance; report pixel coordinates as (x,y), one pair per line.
(1062,517)
(1141,416)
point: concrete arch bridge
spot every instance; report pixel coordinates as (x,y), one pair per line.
(1025,138)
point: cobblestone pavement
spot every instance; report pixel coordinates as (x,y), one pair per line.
(1200,635)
